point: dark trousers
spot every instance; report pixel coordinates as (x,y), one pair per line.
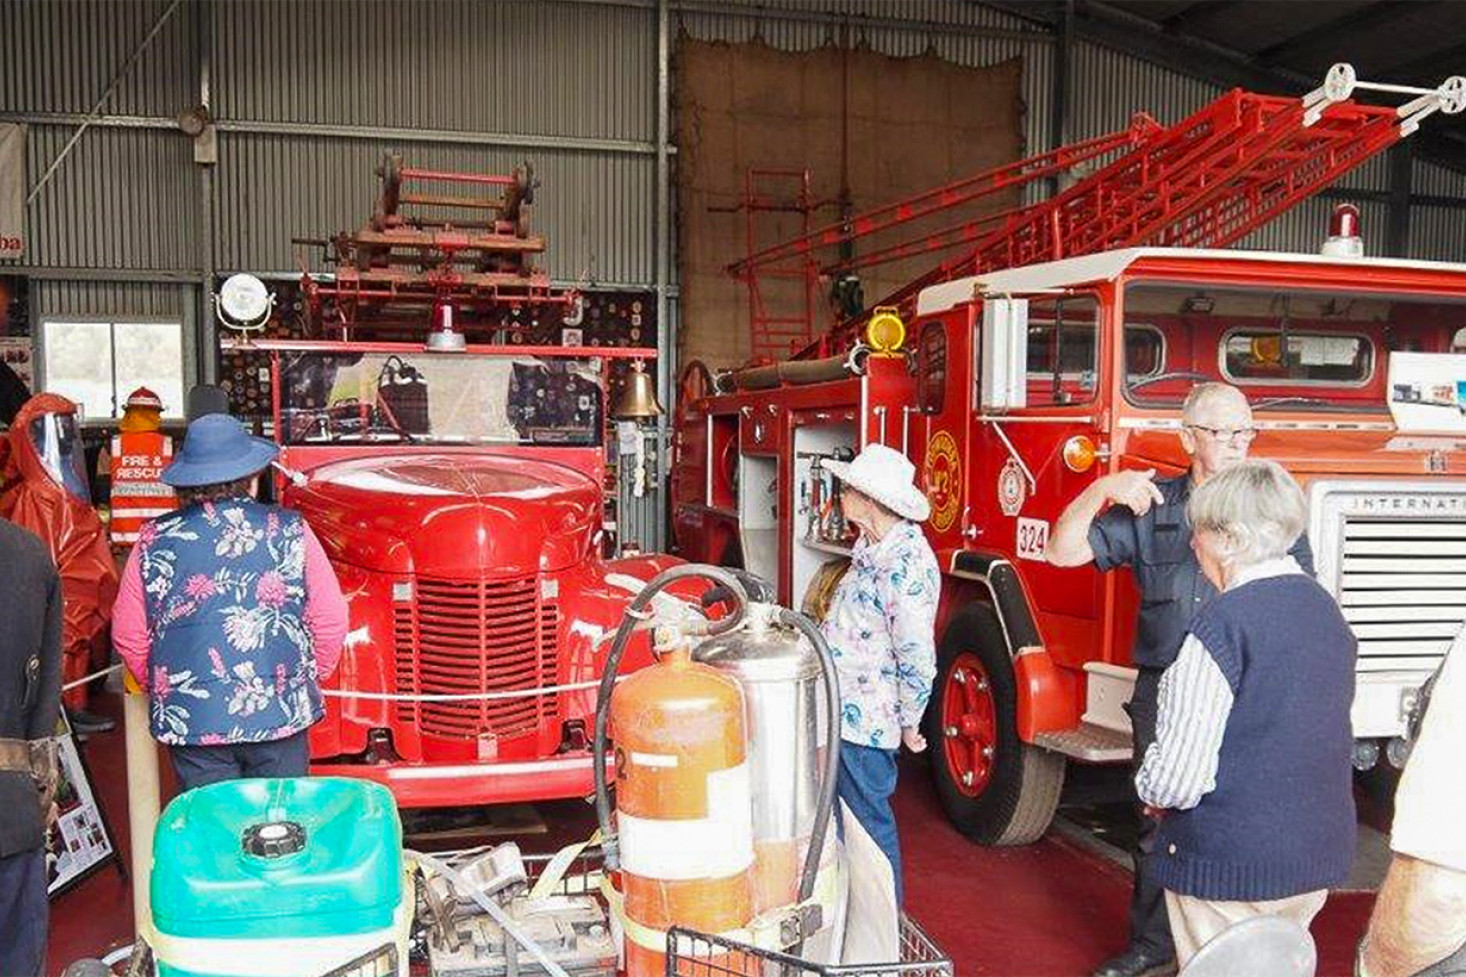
(24,914)
(866,782)
(1150,927)
(197,766)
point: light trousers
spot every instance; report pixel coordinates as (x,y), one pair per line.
(1195,921)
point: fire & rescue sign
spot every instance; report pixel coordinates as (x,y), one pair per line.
(943,473)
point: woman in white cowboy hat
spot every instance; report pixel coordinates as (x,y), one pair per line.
(880,627)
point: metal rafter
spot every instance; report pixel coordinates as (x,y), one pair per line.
(1194,57)
(1450,60)
(1329,32)
(1197,12)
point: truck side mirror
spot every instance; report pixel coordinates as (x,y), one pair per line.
(1003,372)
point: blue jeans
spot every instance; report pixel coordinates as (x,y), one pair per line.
(866,782)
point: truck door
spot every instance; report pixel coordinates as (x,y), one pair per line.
(1031,461)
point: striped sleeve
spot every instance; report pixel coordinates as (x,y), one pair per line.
(1180,767)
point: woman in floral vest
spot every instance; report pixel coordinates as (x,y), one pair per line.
(229,615)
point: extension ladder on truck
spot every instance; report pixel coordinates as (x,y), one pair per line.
(1205,182)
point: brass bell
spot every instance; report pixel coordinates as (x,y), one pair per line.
(638,401)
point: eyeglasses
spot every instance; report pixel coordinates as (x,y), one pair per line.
(1227,435)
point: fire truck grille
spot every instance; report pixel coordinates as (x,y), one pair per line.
(1402,586)
(467,637)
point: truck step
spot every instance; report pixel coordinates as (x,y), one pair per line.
(1088,742)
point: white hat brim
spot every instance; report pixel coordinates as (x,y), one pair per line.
(906,501)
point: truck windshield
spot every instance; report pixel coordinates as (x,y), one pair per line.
(1285,349)
(443,398)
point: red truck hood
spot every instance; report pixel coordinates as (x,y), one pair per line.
(453,515)
(1310,453)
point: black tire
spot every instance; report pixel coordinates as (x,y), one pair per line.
(1022,788)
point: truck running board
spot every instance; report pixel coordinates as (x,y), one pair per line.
(1089,743)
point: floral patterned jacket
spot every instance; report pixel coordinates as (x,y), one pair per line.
(881,628)
(231,656)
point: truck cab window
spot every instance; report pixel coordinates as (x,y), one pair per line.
(1298,358)
(1293,349)
(1145,351)
(1063,339)
(931,368)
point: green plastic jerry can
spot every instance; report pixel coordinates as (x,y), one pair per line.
(279,878)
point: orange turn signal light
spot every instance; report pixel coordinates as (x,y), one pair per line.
(1080,453)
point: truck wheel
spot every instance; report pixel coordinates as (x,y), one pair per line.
(997,789)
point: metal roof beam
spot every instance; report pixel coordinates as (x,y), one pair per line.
(1332,31)
(1194,14)
(1101,23)
(1435,67)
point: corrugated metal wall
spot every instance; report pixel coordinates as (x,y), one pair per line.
(311,94)
(1438,233)
(88,299)
(470,69)
(60,57)
(544,68)
(303,91)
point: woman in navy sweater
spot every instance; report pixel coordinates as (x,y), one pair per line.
(1251,761)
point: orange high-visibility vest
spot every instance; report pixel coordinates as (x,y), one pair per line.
(138,493)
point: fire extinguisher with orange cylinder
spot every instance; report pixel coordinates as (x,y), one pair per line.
(684,841)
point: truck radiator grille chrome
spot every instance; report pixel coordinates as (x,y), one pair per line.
(464,637)
(1394,555)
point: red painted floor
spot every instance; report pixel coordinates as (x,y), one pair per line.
(1052,908)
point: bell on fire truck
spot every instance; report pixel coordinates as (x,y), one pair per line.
(140,452)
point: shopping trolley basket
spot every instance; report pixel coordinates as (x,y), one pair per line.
(693,954)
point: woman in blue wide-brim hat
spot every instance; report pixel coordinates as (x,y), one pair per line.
(229,615)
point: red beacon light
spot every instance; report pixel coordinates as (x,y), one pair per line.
(1344,240)
(444,338)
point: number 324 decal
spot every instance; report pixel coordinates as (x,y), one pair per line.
(1033,539)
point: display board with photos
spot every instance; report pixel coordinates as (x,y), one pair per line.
(79,842)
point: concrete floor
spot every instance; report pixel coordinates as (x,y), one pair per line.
(1056,907)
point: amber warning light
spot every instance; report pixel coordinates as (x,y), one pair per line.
(1080,453)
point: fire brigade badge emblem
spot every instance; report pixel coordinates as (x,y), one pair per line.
(943,473)
(1012,490)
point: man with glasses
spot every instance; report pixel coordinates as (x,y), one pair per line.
(1132,518)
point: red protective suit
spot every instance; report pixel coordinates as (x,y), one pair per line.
(43,489)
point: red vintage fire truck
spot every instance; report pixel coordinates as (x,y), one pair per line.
(458,489)
(1013,384)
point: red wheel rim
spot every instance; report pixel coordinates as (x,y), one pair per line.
(969,725)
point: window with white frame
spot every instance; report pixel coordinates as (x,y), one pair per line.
(97,364)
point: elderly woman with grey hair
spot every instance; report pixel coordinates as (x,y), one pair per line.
(1250,769)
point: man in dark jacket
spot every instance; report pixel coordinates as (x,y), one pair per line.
(30,699)
(1133,519)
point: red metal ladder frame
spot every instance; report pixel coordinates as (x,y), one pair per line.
(1207,181)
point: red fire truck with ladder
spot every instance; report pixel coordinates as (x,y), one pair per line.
(1057,347)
